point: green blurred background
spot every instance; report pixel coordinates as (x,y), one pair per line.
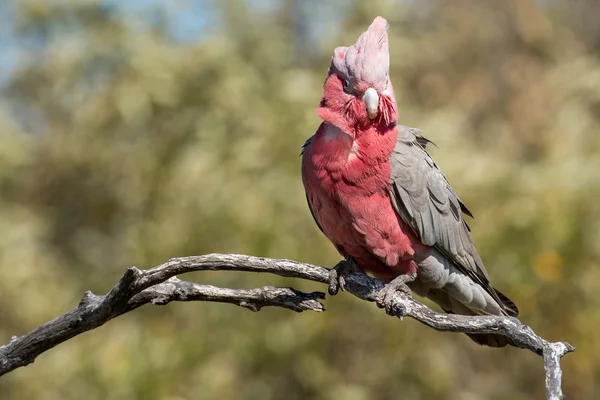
(133,132)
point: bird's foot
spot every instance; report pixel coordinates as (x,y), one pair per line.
(338,273)
(386,295)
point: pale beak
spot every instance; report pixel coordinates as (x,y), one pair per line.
(371,99)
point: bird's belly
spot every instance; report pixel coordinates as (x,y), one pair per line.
(366,228)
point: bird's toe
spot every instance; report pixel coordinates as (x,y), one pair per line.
(387,295)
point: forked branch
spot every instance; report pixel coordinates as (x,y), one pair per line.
(160,286)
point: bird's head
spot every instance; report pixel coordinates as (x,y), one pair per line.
(358,92)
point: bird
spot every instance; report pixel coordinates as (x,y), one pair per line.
(376,193)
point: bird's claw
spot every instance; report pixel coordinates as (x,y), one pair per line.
(386,295)
(338,273)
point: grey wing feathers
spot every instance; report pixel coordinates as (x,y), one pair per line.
(304,146)
(425,201)
(313,215)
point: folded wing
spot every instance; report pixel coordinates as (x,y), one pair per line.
(425,201)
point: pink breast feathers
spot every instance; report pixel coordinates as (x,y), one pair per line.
(347,187)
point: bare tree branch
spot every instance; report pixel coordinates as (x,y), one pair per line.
(160,286)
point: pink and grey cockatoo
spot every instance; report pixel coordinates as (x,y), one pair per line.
(379,197)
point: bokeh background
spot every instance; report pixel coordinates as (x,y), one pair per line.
(136,131)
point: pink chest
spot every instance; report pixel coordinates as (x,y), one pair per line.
(347,183)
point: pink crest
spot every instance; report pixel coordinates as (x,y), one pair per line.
(368,60)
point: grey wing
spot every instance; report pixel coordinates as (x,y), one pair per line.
(424,200)
(304,146)
(313,214)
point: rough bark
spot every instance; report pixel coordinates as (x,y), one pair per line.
(159,286)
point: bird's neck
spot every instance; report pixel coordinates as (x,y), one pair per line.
(336,118)
(350,119)
(342,150)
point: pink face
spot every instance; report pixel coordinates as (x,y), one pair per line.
(358,86)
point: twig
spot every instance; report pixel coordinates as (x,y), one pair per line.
(160,286)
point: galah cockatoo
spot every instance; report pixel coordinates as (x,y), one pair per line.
(379,197)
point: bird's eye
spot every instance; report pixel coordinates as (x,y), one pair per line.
(347,86)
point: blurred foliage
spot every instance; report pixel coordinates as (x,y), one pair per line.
(122,144)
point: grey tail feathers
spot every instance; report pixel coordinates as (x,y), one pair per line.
(507,304)
(496,340)
(491,340)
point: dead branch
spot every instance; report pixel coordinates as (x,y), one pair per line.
(160,285)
